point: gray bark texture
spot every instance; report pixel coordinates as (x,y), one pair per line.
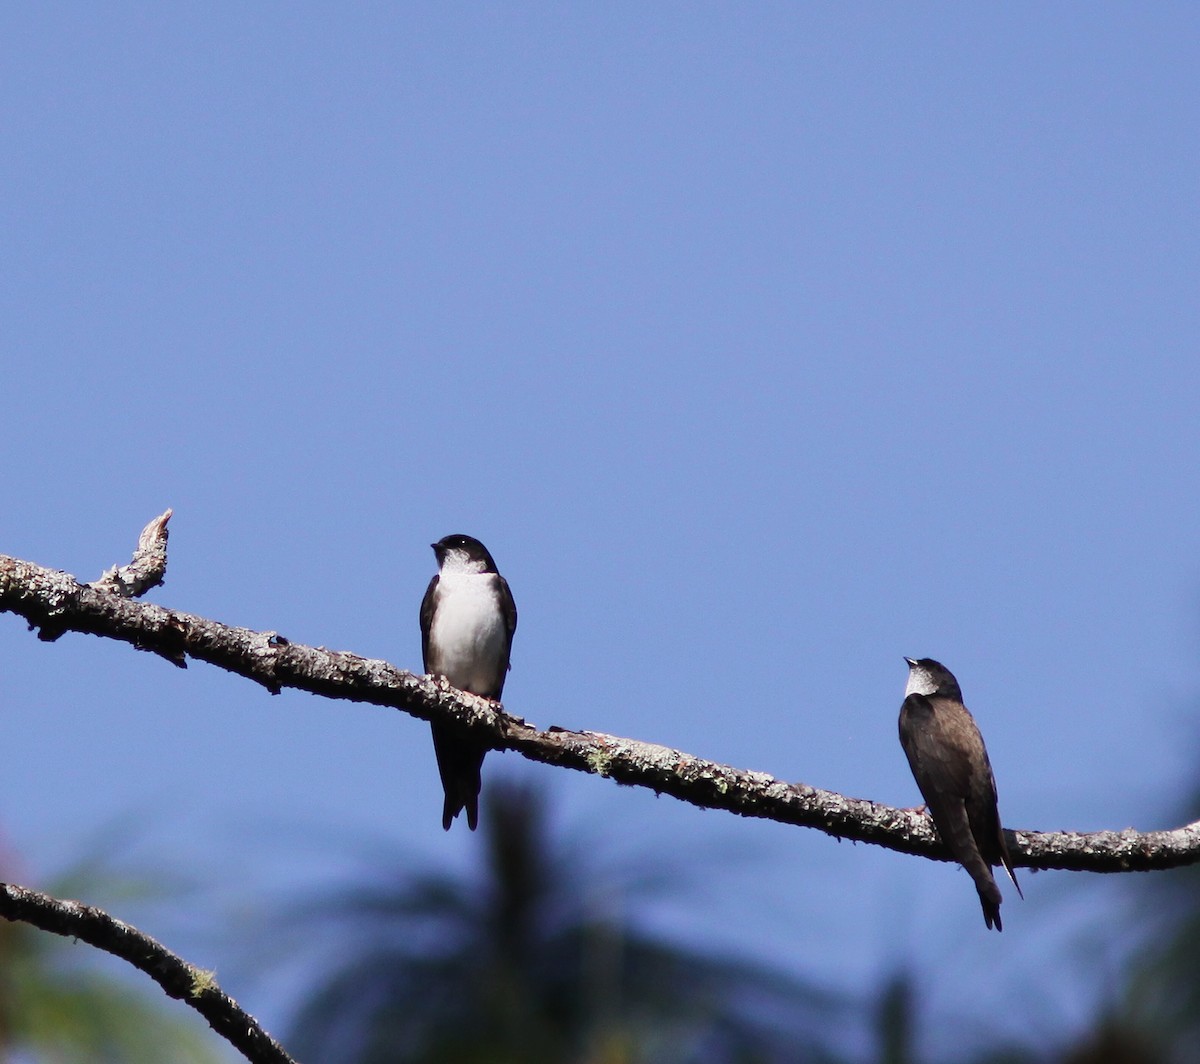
(54,602)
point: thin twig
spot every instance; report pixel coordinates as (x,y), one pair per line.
(148,566)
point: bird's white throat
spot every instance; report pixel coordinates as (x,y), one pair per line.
(459,561)
(920,682)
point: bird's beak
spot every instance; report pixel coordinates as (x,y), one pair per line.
(911,664)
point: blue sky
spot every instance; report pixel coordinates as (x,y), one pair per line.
(762,346)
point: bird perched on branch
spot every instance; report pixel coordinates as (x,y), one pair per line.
(951,766)
(467,622)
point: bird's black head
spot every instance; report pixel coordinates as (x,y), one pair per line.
(464,553)
(929,677)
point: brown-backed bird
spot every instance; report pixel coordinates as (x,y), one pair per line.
(951,766)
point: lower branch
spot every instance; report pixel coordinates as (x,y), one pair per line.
(179,979)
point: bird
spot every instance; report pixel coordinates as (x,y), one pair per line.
(950,763)
(468,618)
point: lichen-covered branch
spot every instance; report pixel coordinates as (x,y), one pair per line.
(180,980)
(54,602)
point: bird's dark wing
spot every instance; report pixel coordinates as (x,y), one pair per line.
(427,620)
(983,811)
(509,608)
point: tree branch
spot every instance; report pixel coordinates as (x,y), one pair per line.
(54,602)
(147,567)
(193,986)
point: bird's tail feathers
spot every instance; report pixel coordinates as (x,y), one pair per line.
(989,893)
(991,908)
(459,762)
(455,804)
(955,830)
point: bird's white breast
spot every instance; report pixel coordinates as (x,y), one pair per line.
(468,631)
